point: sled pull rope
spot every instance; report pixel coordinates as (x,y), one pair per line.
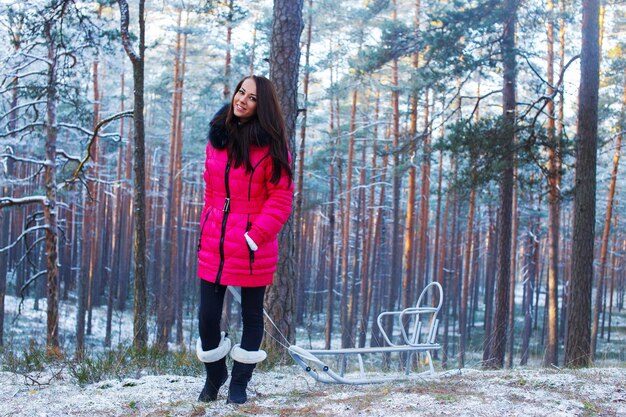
(237,296)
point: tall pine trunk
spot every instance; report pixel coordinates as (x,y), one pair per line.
(301,249)
(550,357)
(287,26)
(498,339)
(49,208)
(140,291)
(578,347)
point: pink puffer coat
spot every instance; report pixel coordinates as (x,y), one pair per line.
(256,206)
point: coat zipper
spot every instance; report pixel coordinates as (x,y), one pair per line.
(249,224)
(202,229)
(250,251)
(224,220)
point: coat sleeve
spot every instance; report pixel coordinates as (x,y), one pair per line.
(276,209)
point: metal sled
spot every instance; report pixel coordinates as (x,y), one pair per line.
(417,327)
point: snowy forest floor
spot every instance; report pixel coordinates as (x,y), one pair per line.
(109,383)
(288,392)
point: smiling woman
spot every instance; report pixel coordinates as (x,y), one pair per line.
(244,101)
(247,199)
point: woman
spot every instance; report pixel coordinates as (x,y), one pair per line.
(247,199)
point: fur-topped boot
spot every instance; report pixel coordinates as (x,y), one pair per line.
(215,366)
(244,363)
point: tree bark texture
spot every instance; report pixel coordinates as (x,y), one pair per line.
(500,322)
(140,290)
(287,26)
(578,347)
(50,208)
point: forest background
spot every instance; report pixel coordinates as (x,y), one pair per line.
(434,141)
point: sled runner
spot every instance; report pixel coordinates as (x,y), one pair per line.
(417,328)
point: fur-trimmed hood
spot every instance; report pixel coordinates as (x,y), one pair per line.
(218,133)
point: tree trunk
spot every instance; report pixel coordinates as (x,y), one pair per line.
(299,197)
(490,279)
(331,232)
(229,33)
(140,291)
(530,259)
(467,278)
(607,226)
(513,272)
(396,265)
(347,338)
(284,61)
(498,341)
(368,232)
(49,208)
(578,348)
(422,228)
(408,259)
(170,236)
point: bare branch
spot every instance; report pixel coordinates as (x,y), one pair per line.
(10,201)
(20,159)
(20,237)
(30,126)
(68,156)
(94,135)
(32,103)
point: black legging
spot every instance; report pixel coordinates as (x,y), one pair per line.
(211,302)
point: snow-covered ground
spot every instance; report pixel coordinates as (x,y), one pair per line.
(287,391)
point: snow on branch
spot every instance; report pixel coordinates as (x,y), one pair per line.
(31,103)
(20,237)
(20,159)
(94,135)
(21,201)
(30,126)
(68,156)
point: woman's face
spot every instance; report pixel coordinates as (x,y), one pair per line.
(244,101)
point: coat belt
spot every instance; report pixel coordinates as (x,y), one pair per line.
(230,205)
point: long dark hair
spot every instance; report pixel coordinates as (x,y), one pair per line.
(265,128)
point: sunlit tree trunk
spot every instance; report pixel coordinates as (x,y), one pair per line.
(422,230)
(396,265)
(169,249)
(550,357)
(408,259)
(346,328)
